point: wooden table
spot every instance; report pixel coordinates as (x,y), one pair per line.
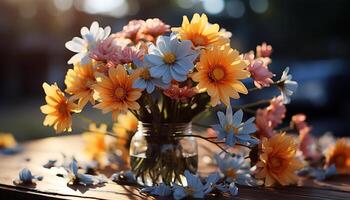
(37,153)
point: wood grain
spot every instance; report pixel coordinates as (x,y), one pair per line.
(37,153)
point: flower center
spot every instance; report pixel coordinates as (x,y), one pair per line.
(217,74)
(275,162)
(189,190)
(120,93)
(228,127)
(145,74)
(169,58)
(199,40)
(62,109)
(230,172)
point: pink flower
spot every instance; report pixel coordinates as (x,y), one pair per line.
(270,117)
(263,124)
(105,51)
(276,111)
(180,93)
(298,121)
(260,73)
(128,54)
(263,50)
(258,70)
(132,28)
(155,27)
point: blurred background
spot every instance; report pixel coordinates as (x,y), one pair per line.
(312,37)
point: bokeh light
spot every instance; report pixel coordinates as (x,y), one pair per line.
(235,8)
(259,6)
(213,6)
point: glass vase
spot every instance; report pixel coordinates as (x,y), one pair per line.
(162,152)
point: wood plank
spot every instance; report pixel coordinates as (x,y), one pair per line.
(37,153)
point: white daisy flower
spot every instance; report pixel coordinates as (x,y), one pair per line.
(287,86)
(82,46)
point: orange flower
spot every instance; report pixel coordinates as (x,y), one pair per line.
(115,91)
(220,70)
(58,109)
(339,155)
(95,145)
(79,81)
(278,162)
(200,32)
(7,140)
(125,127)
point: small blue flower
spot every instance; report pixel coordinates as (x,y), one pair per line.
(84,179)
(171,58)
(126,177)
(319,173)
(211,181)
(232,129)
(146,81)
(26,177)
(159,190)
(287,86)
(230,188)
(235,169)
(194,187)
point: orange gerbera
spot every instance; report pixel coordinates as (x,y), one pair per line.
(219,70)
(115,91)
(339,155)
(58,109)
(79,81)
(278,162)
(125,127)
(200,32)
(95,145)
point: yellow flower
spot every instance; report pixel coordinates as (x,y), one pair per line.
(125,127)
(58,109)
(200,32)
(115,91)
(278,162)
(7,140)
(339,155)
(95,145)
(220,70)
(79,81)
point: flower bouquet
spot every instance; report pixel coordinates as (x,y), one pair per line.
(157,79)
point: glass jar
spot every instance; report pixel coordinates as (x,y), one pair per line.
(162,152)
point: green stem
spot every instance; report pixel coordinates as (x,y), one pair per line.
(206,139)
(201,125)
(86,119)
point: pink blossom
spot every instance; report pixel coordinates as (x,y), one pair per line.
(299,121)
(276,111)
(270,117)
(105,51)
(180,93)
(128,54)
(260,73)
(155,27)
(132,28)
(263,124)
(263,50)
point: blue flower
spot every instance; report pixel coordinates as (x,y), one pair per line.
(171,58)
(159,190)
(146,81)
(26,177)
(230,188)
(211,181)
(287,86)
(232,129)
(319,174)
(235,169)
(194,187)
